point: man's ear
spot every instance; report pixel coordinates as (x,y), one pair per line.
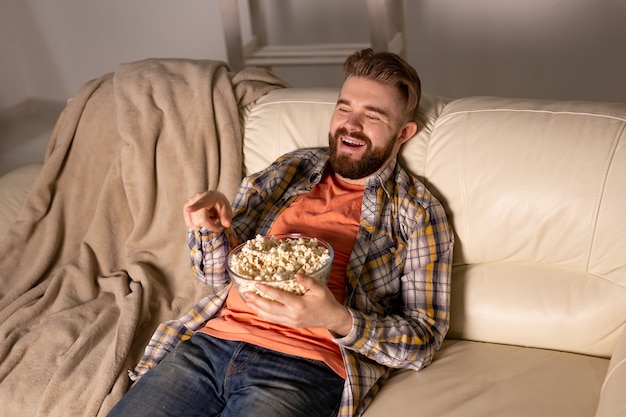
(408,131)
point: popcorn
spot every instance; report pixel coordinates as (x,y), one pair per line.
(276,261)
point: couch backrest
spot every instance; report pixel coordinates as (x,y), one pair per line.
(535,191)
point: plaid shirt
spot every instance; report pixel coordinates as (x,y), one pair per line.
(397,280)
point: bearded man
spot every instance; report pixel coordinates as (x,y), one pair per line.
(386,305)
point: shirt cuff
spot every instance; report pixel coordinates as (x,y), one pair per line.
(356,338)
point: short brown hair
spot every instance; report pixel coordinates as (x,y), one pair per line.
(390,69)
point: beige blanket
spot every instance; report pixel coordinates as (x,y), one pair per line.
(98,256)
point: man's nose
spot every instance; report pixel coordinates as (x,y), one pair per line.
(354,122)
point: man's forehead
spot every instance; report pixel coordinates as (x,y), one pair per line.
(371,94)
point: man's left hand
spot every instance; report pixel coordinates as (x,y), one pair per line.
(317,307)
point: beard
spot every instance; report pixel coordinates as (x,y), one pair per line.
(371,162)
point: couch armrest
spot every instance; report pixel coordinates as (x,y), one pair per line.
(612,398)
(14,187)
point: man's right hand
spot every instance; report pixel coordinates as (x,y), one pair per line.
(210,210)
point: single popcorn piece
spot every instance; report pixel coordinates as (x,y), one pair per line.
(278,261)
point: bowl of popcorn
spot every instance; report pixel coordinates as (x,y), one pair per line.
(276,260)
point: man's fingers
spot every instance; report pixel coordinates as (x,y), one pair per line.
(200,201)
(225,213)
(210,210)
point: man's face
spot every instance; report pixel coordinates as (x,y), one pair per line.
(366,129)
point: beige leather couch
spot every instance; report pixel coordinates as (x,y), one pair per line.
(536,192)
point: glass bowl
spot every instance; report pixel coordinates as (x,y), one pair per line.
(275,260)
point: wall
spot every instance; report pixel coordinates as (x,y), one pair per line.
(561,49)
(554,49)
(13,82)
(49,48)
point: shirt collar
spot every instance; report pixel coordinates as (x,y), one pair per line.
(384,178)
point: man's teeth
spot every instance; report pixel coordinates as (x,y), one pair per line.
(352,142)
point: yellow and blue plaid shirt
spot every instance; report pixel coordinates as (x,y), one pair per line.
(397,280)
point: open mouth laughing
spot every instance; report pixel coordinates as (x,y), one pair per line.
(352,142)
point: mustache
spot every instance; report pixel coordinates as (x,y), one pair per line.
(342,131)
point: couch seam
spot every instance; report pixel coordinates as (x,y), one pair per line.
(469,247)
(601,192)
(522,110)
(611,372)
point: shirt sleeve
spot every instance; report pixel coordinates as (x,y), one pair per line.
(208,252)
(409,336)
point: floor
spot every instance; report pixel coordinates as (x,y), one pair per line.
(25,131)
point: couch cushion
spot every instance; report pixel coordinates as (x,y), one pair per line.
(538,168)
(284,120)
(536,305)
(535,193)
(473,379)
(14,187)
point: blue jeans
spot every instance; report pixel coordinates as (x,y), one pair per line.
(206,376)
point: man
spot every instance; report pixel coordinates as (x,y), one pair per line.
(386,305)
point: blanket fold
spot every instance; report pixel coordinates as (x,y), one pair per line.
(97,258)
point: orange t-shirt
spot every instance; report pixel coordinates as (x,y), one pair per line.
(331,211)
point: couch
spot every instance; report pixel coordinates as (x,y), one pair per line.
(535,191)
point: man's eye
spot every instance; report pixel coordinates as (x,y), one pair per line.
(372,117)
